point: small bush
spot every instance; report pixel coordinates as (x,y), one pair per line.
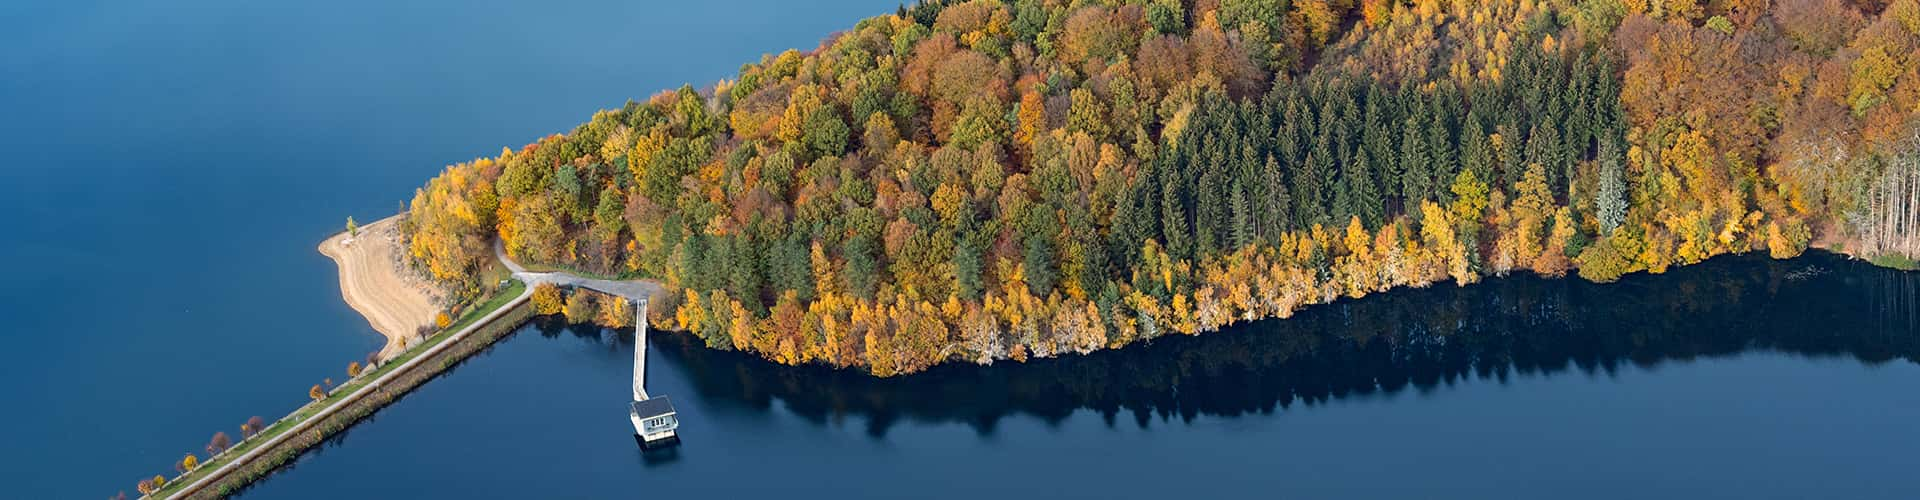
(547,300)
(580,307)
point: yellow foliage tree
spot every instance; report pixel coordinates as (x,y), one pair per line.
(547,299)
(579,307)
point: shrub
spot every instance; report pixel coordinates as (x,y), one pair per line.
(1603,263)
(1787,240)
(615,312)
(547,299)
(580,307)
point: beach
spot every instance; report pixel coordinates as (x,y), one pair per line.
(374,281)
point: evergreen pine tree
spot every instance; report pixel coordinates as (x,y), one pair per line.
(1363,197)
(1416,177)
(1310,199)
(1241,215)
(1476,154)
(1611,201)
(1277,212)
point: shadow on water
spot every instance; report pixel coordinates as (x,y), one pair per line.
(1820,305)
(656,455)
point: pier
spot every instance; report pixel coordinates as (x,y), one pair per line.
(654,418)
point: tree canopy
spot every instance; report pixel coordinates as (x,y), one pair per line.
(997,179)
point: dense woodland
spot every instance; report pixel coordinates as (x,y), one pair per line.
(997,179)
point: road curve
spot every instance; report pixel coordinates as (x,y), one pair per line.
(635,290)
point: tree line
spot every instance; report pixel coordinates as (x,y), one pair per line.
(985,180)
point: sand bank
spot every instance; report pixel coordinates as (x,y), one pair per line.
(376,282)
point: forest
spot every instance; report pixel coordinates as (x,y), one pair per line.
(1006,179)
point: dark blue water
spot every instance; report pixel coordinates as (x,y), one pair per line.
(1739,378)
(170,167)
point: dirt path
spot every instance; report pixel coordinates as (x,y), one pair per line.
(373,282)
(640,290)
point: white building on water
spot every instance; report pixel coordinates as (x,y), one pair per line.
(654,419)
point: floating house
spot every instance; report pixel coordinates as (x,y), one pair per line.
(654,419)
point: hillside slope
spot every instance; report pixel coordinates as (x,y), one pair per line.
(995,179)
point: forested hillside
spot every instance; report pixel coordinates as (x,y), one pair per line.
(998,179)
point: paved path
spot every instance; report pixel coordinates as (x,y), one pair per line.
(343,401)
(635,290)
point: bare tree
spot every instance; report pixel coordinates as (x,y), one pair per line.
(253,426)
(1889,223)
(219,443)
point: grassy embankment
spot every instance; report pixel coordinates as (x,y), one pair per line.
(1894,261)
(287,450)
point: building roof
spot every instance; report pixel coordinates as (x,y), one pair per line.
(653,407)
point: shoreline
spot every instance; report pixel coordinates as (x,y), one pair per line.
(356,399)
(373,283)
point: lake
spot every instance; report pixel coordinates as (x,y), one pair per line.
(1739,378)
(173,165)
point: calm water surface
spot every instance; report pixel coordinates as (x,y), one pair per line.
(1739,378)
(171,166)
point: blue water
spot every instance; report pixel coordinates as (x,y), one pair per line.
(1738,378)
(170,167)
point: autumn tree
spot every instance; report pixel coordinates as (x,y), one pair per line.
(252,426)
(579,307)
(988,180)
(219,443)
(547,299)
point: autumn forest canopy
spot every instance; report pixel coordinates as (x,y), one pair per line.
(983,180)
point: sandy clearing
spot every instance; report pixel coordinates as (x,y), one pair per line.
(374,282)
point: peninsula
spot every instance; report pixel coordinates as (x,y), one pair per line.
(985,180)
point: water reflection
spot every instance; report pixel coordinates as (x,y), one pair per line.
(1818,306)
(655,456)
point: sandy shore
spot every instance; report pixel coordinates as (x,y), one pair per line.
(375,282)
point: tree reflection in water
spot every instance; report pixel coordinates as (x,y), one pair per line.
(1820,305)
